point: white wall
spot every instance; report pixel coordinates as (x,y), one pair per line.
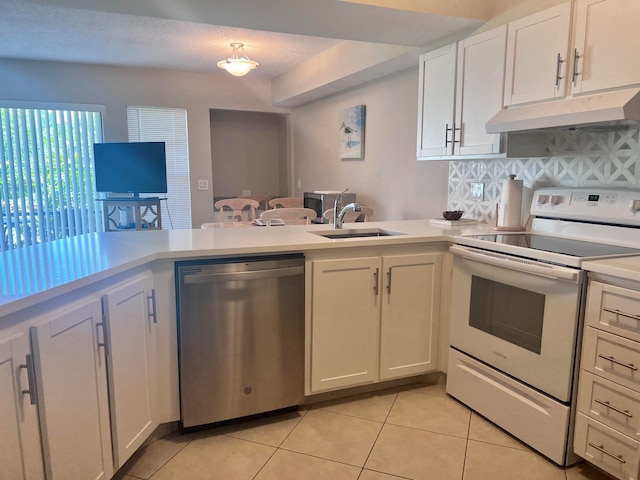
(248,153)
(117,87)
(389,179)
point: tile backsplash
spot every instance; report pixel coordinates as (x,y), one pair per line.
(579,159)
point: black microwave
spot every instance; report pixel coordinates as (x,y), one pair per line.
(320,202)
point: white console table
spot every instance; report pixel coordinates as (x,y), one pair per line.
(147,214)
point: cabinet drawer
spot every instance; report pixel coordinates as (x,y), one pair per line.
(612,357)
(614,309)
(612,404)
(604,447)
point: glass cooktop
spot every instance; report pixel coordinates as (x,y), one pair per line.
(563,246)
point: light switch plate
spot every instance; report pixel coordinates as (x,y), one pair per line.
(203,184)
(477,191)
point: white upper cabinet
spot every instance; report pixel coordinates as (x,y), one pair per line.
(436,102)
(537,54)
(607,41)
(479,90)
(461,87)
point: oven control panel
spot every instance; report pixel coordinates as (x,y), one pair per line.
(600,205)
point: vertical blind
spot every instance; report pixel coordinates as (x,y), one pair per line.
(169,125)
(46,174)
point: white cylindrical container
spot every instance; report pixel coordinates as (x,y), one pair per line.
(510,206)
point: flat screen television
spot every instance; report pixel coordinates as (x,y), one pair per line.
(132,167)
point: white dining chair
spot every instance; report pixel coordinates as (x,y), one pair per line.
(290,215)
(237,206)
(286,202)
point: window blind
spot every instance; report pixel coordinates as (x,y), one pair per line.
(169,125)
(46,174)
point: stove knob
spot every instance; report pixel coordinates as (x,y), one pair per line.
(634,206)
(542,199)
(555,199)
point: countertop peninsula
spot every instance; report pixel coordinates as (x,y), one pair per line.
(40,272)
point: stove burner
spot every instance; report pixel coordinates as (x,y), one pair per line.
(563,246)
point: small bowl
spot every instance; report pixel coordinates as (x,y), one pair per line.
(452,214)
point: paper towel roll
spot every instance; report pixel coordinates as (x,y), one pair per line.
(510,204)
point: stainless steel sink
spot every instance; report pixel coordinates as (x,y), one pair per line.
(357,233)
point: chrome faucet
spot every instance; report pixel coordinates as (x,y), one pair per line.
(339,212)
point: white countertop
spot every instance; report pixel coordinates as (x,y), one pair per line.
(34,274)
(627,268)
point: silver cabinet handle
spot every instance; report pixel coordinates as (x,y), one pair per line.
(152,308)
(576,57)
(622,314)
(630,366)
(601,448)
(375,281)
(389,281)
(606,403)
(559,63)
(29,367)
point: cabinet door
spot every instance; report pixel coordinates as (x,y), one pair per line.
(72,394)
(20,451)
(479,93)
(410,311)
(344,322)
(607,41)
(537,49)
(130,363)
(436,102)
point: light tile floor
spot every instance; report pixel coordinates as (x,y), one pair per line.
(414,432)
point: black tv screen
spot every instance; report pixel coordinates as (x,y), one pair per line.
(133,167)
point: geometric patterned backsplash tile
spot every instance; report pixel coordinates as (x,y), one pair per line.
(579,159)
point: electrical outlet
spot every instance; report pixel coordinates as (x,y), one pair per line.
(246,192)
(477,191)
(203,184)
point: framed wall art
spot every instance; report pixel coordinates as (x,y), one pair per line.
(351,123)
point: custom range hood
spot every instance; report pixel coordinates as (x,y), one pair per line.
(604,111)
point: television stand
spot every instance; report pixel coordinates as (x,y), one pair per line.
(146,213)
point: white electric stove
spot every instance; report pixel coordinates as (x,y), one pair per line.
(517,319)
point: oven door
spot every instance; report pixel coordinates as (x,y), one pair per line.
(517,315)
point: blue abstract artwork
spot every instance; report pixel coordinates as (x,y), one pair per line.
(351,132)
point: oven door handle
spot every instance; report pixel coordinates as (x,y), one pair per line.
(516,263)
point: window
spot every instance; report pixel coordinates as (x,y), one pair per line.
(46,174)
(169,125)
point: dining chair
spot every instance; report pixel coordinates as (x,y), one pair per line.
(351,216)
(290,215)
(286,202)
(237,207)
(263,201)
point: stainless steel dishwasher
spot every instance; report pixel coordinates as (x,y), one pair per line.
(241,337)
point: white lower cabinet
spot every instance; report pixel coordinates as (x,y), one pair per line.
(130,321)
(607,431)
(371,318)
(20,451)
(68,350)
(78,381)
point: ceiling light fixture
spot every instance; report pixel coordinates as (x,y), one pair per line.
(238,64)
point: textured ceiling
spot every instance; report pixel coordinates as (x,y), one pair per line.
(186,34)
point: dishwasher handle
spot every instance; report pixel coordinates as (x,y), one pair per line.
(242,276)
